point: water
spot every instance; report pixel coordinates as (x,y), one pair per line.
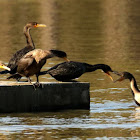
(92,31)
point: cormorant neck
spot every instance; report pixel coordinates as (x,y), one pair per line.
(90,68)
(133,85)
(29,39)
(135,91)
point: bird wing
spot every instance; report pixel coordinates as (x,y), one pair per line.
(25,62)
(67,70)
(17,56)
(37,54)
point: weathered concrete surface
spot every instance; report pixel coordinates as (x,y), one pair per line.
(22,97)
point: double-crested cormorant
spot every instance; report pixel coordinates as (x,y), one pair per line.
(133,85)
(67,71)
(19,54)
(32,62)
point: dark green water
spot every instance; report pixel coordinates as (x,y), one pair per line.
(92,31)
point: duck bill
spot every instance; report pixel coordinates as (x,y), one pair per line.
(108,74)
(5,67)
(66,59)
(40,25)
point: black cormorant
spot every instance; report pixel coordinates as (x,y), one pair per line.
(68,71)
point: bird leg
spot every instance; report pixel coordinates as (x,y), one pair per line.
(37,84)
(29,80)
(15,76)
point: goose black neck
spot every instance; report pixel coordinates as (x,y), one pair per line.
(29,39)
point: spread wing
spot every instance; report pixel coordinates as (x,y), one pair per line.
(25,62)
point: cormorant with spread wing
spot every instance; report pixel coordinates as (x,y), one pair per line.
(32,62)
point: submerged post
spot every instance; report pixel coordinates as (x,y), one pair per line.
(22,97)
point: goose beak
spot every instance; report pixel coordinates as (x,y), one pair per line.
(40,25)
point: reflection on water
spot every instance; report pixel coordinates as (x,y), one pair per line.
(92,31)
(109,118)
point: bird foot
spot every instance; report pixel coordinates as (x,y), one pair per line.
(37,85)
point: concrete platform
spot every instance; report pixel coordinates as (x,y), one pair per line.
(22,97)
